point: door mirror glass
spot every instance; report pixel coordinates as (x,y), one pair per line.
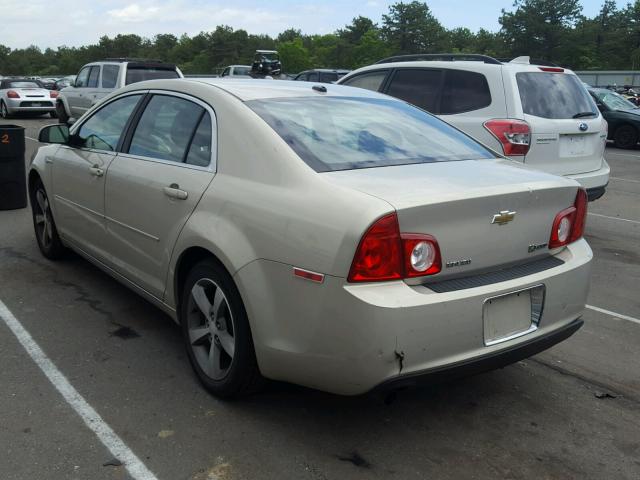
(54,134)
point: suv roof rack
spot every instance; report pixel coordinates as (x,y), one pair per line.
(447,57)
(129,59)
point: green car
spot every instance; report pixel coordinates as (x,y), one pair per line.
(622,116)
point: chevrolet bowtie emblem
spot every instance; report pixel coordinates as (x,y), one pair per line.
(504,217)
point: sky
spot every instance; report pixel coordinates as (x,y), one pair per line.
(75,23)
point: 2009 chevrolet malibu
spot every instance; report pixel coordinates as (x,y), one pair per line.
(323,235)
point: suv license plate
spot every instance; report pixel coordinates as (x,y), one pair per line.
(573,145)
(512,315)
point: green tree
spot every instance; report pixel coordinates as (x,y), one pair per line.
(412,28)
(294,56)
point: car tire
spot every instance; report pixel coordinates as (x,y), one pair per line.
(61,113)
(4,111)
(625,136)
(216,332)
(43,223)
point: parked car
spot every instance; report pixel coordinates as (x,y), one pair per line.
(64,82)
(355,242)
(241,71)
(25,96)
(622,116)
(266,62)
(322,75)
(97,79)
(538,115)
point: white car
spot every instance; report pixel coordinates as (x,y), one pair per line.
(21,95)
(536,114)
(317,234)
(237,71)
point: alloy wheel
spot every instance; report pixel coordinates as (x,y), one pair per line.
(43,218)
(4,113)
(211,328)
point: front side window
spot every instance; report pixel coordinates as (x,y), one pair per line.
(326,77)
(93,77)
(370,81)
(166,128)
(83,77)
(105,127)
(110,76)
(313,77)
(463,92)
(226,72)
(554,95)
(419,87)
(344,133)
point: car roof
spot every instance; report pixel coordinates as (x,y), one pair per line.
(257,89)
(329,70)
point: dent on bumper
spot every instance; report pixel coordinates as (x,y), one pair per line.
(349,339)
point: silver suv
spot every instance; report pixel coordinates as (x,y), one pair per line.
(97,79)
(536,114)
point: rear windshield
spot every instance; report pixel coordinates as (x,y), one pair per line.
(554,95)
(343,133)
(24,85)
(139,74)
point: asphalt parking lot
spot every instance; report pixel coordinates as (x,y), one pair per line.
(572,412)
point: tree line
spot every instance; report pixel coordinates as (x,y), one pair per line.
(550,30)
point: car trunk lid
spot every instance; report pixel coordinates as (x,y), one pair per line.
(484,214)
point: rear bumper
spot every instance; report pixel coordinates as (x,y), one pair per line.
(18,105)
(349,338)
(483,363)
(595,182)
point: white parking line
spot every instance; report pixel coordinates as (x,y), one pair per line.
(622,154)
(614,314)
(614,218)
(107,436)
(32,139)
(624,179)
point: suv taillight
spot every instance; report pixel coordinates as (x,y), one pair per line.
(514,135)
(568,226)
(386,254)
(12,94)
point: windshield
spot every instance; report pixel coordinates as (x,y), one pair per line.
(140,74)
(614,101)
(343,133)
(24,85)
(553,95)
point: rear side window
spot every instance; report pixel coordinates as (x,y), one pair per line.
(93,77)
(463,92)
(327,77)
(166,128)
(370,81)
(139,74)
(553,95)
(200,149)
(344,133)
(418,87)
(110,75)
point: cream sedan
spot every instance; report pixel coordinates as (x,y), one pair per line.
(322,235)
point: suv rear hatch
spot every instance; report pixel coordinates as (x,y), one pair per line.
(140,71)
(568,133)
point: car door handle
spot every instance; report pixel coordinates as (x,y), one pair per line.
(173,191)
(96,171)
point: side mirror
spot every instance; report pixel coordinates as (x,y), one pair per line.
(58,134)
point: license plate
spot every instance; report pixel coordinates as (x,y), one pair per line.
(511,315)
(573,145)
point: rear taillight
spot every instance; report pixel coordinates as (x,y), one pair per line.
(12,94)
(53,94)
(552,69)
(385,254)
(568,226)
(514,135)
